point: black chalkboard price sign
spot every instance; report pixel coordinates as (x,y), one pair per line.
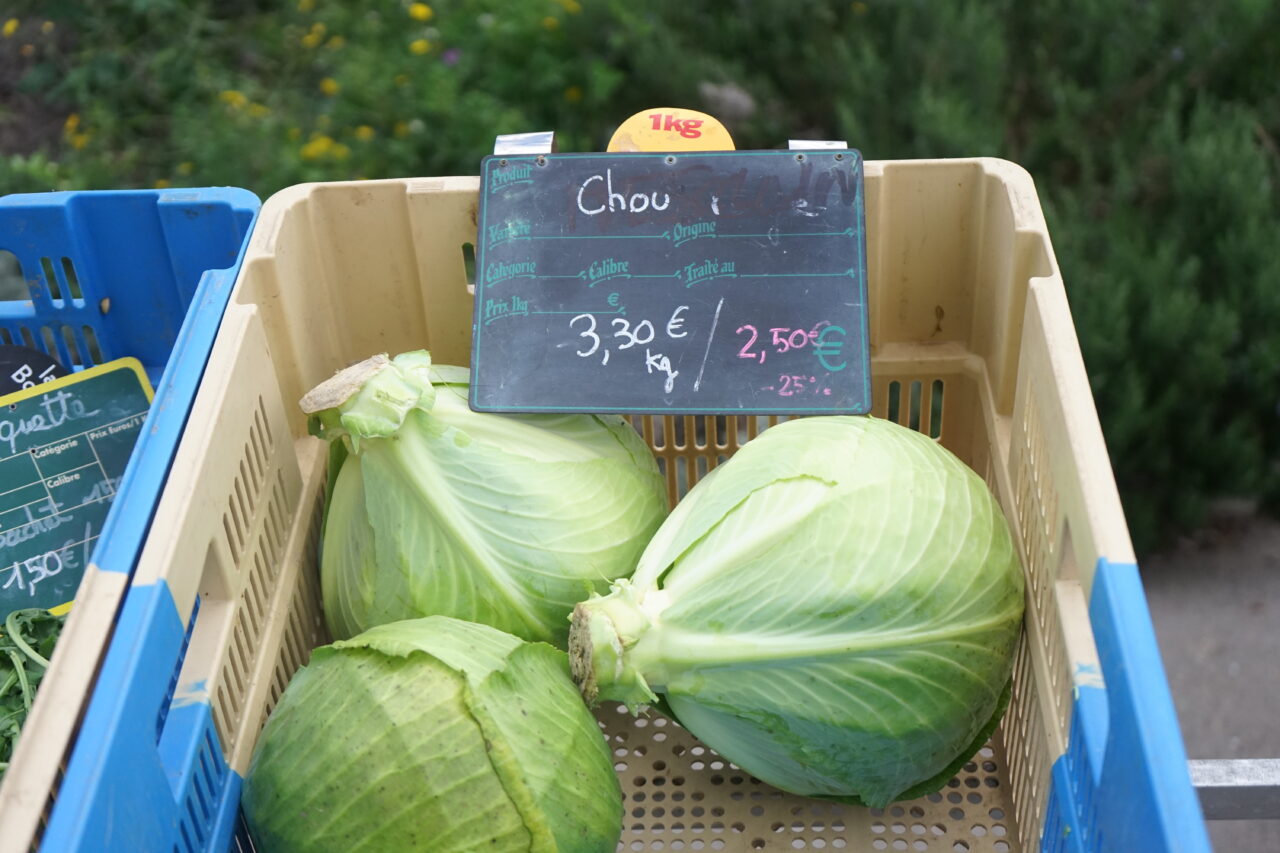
(64,446)
(694,282)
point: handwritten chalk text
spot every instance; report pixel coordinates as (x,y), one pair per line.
(56,410)
(613,201)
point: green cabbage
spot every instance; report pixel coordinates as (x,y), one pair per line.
(433,735)
(834,610)
(508,520)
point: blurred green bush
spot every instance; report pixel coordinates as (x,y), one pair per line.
(1151,129)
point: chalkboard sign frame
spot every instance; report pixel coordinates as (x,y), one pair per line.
(853,389)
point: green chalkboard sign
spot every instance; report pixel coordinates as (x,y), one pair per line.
(64,446)
(709,281)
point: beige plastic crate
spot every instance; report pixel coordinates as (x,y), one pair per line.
(972,342)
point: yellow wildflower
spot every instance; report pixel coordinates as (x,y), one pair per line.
(46,27)
(163,183)
(401,129)
(860,8)
(419,46)
(72,133)
(306,5)
(10,27)
(573,7)
(336,43)
(294,134)
(364,133)
(318,146)
(401,79)
(315,35)
(259,110)
(420,11)
(573,94)
(233,98)
(186,168)
(340,152)
(550,22)
(330,86)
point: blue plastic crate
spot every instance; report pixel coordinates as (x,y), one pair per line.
(141,273)
(1123,782)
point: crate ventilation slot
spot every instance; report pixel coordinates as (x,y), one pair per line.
(61,280)
(257,515)
(200,805)
(13,287)
(919,408)
(305,627)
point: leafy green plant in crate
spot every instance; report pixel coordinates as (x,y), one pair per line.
(27,638)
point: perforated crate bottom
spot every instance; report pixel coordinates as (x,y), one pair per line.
(680,795)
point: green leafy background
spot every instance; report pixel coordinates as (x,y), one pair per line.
(1150,127)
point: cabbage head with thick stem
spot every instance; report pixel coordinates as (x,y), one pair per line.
(432,736)
(834,609)
(507,520)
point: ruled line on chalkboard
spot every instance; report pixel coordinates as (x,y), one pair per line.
(593,237)
(848,232)
(40,500)
(61,510)
(715,319)
(704,279)
(70,545)
(620,310)
(68,470)
(20,488)
(499,281)
(582,276)
(846,274)
(666,235)
(95,428)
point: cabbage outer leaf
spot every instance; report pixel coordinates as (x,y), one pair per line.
(505,520)
(433,735)
(835,610)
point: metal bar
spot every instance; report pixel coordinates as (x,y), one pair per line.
(1242,789)
(816,144)
(514,144)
